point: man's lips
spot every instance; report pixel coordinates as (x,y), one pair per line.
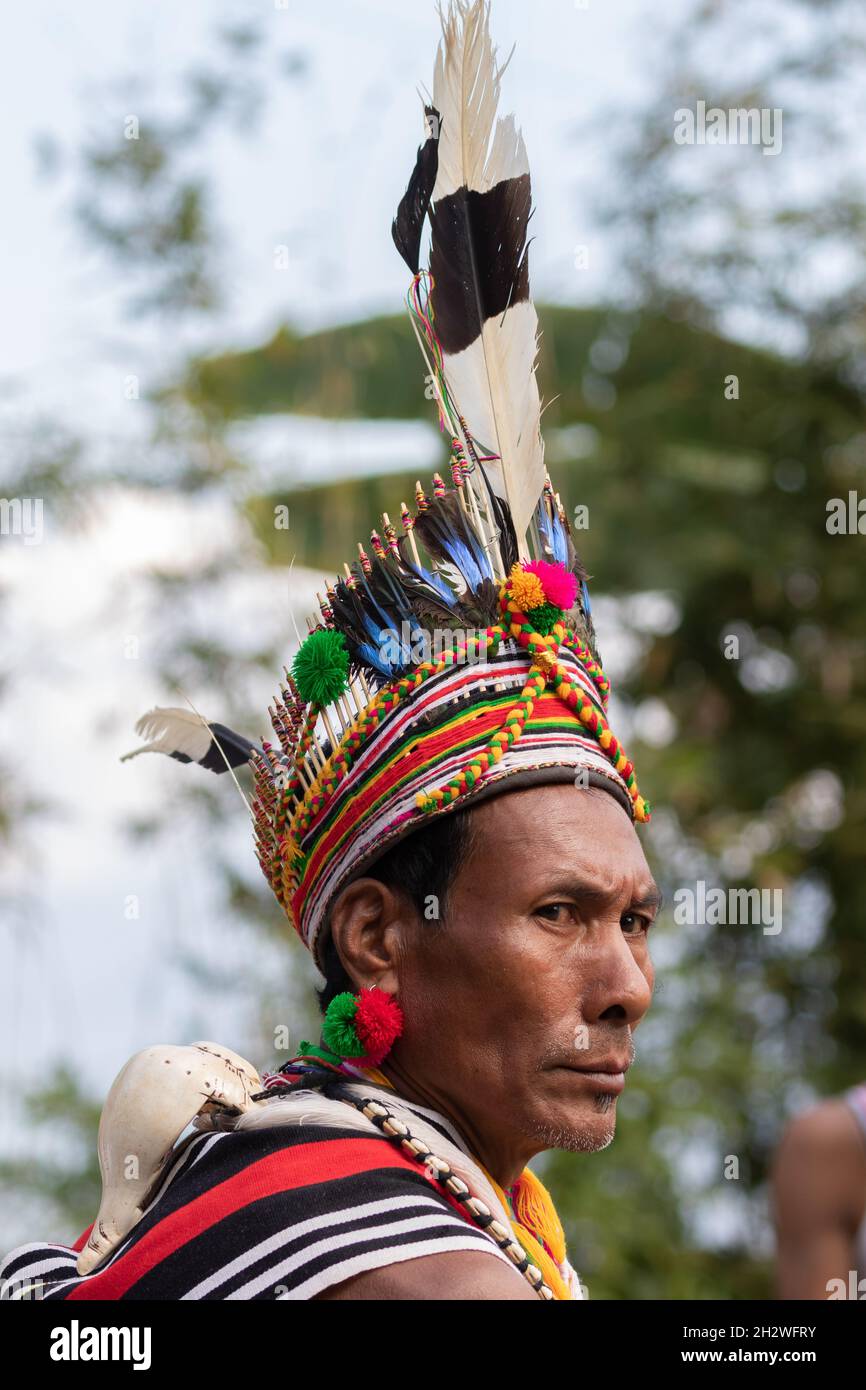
(607,1074)
(610,1065)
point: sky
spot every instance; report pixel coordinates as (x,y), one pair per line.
(322,176)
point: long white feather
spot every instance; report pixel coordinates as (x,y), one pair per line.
(493,380)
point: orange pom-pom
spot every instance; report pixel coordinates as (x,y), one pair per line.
(526,589)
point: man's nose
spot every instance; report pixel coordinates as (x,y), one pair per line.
(620,983)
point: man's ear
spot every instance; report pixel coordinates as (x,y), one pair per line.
(369,925)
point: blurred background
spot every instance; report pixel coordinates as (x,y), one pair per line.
(204,321)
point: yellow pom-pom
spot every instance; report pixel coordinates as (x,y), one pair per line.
(526,589)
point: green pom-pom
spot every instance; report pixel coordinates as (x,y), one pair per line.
(543,617)
(321,667)
(338,1028)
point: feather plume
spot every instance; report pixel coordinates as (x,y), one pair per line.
(408,225)
(483,315)
(190,738)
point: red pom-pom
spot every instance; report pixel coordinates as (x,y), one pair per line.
(558,583)
(378,1023)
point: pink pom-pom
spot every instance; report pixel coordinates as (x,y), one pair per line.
(378,1023)
(558,583)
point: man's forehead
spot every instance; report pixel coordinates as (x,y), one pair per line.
(561,827)
(562,806)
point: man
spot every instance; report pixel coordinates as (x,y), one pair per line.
(819,1192)
(555,952)
(449,827)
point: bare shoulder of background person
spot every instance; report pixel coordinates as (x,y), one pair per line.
(819,1195)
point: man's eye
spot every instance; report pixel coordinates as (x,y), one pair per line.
(639,921)
(555,912)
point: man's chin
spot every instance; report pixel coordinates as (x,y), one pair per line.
(578,1129)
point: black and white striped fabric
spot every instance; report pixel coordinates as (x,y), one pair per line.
(273,1213)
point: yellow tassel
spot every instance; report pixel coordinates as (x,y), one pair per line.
(534,1208)
(534,1211)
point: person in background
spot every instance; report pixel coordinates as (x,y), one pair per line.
(819,1192)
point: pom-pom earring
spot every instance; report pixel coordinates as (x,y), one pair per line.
(362,1027)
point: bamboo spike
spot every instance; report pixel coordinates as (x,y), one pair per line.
(335,742)
(359,703)
(443,410)
(324,609)
(317,754)
(489,540)
(266,748)
(301,770)
(364,686)
(409,527)
(492,542)
(390,535)
(461,493)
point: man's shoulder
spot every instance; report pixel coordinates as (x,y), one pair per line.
(272,1213)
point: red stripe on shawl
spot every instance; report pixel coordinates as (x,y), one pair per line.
(301,1166)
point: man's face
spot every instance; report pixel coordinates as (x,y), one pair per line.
(542,969)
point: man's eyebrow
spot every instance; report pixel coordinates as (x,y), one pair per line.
(654,897)
(593,892)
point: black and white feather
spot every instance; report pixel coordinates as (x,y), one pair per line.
(483,314)
(190,738)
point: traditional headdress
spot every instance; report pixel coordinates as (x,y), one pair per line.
(457,658)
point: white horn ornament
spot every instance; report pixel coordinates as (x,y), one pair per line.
(152,1100)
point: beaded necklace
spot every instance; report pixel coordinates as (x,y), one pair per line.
(538,1251)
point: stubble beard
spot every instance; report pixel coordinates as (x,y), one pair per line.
(576,1138)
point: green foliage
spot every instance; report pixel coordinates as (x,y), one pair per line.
(69,1187)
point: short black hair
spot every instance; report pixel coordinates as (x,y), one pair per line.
(423,864)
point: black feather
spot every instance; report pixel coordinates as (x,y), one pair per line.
(478,258)
(507,537)
(408,225)
(235,746)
